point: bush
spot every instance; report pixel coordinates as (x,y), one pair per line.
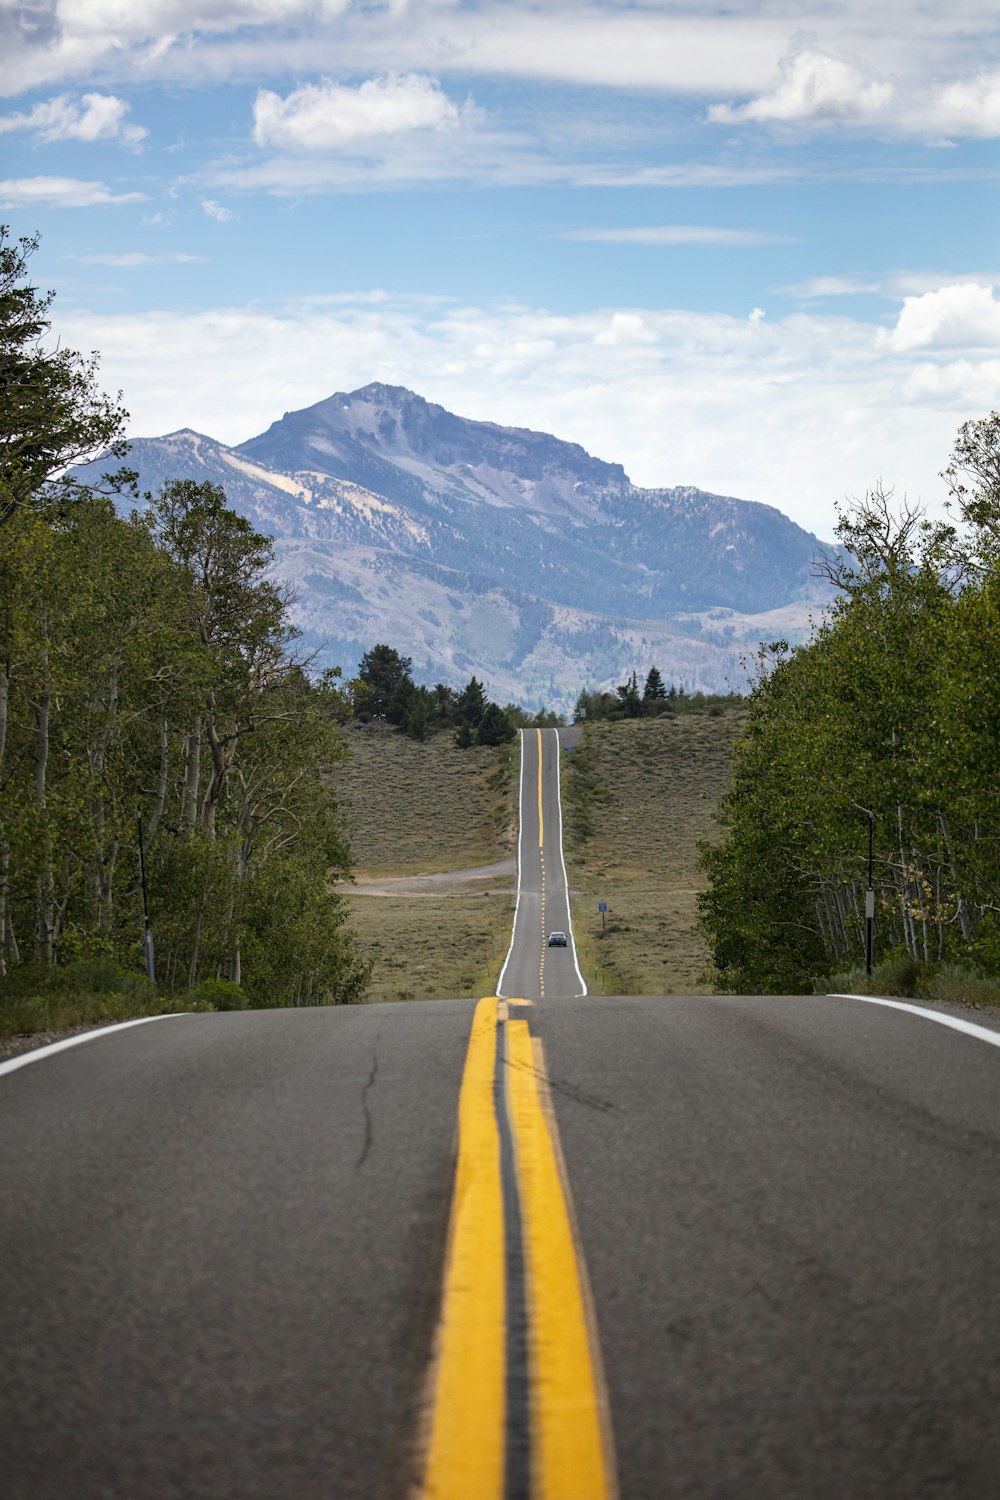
(218,994)
(908,979)
(965,986)
(103,976)
(900,977)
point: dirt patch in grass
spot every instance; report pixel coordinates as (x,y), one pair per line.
(639,796)
(433,829)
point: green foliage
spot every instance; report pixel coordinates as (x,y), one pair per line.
(656,699)
(911,979)
(51,414)
(494,727)
(219,994)
(148,678)
(384,674)
(891,715)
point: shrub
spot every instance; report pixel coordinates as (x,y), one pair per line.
(218,994)
(103,976)
(964,986)
(900,977)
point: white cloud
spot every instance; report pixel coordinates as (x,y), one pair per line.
(217,211)
(96,117)
(327,115)
(129,259)
(682,47)
(814,87)
(625,328)
(796,411)
(830,286)
(968,107)
(965,316)
(60,192)
(895,68)
(125,262)
(679,234)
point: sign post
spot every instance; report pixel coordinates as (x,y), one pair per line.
(602,907)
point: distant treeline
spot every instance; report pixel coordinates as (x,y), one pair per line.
(629,701)
(887,723)
(384,691)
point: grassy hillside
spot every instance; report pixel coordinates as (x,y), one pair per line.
(418,808)
(638,797)
(415,810)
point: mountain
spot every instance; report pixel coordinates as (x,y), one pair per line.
(476,547)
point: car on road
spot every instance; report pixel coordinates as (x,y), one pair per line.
(557,940)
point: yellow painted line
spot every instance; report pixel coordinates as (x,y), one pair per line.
(465,1448)
(572,1451)
(541,819)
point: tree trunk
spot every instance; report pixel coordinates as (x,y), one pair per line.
(4,696)
(963,911)
(4,882)
(222,760)
(161,784)
(192,777)
(44,884)
(909,926)
(195,953)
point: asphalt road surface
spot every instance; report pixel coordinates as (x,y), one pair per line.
(719,1247)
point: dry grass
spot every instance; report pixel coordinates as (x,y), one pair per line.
(639,797)
(433,947)
(420,809)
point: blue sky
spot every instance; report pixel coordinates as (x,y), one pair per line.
(751,247)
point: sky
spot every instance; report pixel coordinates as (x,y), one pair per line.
(748,246)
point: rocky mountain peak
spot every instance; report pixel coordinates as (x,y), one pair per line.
(389,439)
(477,547)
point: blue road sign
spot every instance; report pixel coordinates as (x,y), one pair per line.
(602,906)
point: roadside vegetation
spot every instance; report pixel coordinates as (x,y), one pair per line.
(151,701)
(886,724)
(639,797)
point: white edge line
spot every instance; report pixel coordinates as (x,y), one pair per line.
(562,857)
(520,836)
(981,1033)
(37,1053)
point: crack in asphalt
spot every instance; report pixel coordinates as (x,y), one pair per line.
(369,1139)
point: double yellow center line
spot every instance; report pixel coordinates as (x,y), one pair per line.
(518,1407)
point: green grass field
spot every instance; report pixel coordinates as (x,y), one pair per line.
(639,795)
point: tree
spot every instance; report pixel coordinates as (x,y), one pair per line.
(240,620)
(494,727)
(51,413)
(471,703)
(383,671)
(628,697)
(890,713)
(654,693)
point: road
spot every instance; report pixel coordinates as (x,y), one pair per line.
(691,1247)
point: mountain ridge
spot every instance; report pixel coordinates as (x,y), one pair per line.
(474,546)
